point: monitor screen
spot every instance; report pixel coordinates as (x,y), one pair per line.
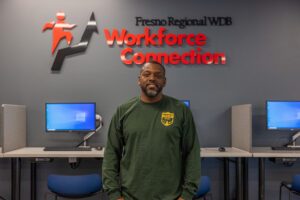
(70,117)
(283,115)
(187,102)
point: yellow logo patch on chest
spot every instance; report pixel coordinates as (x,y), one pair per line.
(167,118)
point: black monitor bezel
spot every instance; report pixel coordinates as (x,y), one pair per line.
(278,129)
(68,131)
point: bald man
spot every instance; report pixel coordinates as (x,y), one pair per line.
(152,150)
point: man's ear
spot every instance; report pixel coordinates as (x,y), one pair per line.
(165,82)
(139,82)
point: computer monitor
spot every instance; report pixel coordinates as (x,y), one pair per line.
(283,115)
(70,117)
(187,102)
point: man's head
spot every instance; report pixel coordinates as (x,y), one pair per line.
(152,80)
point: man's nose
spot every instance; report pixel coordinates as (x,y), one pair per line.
(152,77)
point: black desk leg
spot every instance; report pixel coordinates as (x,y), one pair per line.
(33,180)
(226,179)
(239,179)
(15,178)
(261,178)
(245,178)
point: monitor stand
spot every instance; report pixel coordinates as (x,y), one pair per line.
(85,138)
(294,138)
(83,144)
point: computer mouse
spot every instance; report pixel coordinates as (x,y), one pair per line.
(221,149)
(99,148)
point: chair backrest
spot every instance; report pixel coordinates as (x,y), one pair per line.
(74,185)
(204,186)
(296,182)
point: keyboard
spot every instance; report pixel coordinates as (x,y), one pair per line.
(282,148)
(66,149)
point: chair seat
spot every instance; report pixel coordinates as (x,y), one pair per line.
(74,185)
(296,183)
(204,187)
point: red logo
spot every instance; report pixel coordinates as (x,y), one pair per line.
(59,33)
(58,30)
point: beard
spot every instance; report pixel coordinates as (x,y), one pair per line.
(151,93)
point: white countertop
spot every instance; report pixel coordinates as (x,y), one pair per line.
(229,152)
(36,152)
(267,152)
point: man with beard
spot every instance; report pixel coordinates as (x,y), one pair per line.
(152,150)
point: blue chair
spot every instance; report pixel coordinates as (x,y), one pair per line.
(74,186)
(293,187)
(204,188)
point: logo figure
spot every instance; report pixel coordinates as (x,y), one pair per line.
(167,118)
(58,30)
(59,33)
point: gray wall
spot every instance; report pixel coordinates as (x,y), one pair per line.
(263,56)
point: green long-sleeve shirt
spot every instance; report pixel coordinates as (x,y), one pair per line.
(152,152)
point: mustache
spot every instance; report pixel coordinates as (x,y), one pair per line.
(152,84)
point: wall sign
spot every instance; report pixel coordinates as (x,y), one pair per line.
(184,22)
(194,56)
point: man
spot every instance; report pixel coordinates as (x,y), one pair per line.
(152,150)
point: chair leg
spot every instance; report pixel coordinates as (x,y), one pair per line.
(289,195)
(210,196)
(280,191)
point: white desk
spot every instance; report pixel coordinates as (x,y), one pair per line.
(241,160)
(230,152)
(266,152)
(38,152)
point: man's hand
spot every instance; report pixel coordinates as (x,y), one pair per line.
(121,198)
(180,198)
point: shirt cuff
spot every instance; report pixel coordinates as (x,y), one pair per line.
(186,195)
(115,195)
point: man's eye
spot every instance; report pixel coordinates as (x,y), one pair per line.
(146,75)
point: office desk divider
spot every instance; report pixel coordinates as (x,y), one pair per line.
(241,127)
(241,138)
(13,135)
(13,125)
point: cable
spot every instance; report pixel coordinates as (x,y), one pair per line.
(93,132)
(75,165)
(288,164)
(230,160)
(2,198)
